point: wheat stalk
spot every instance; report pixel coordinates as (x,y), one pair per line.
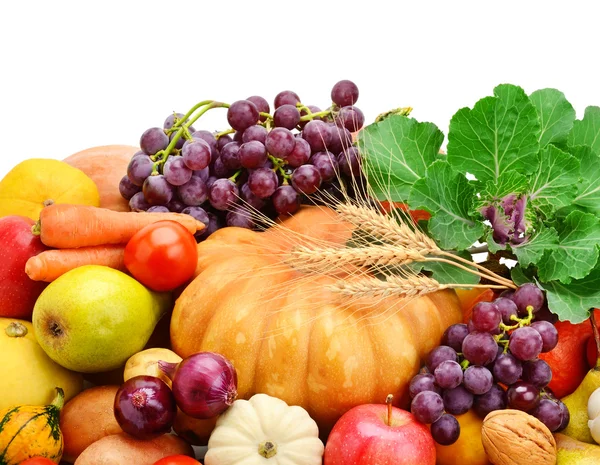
(373,255)
(404,286)
(386,227)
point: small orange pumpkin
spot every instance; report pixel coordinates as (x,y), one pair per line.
(291,337)
(106,165)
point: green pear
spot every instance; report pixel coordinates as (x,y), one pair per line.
(93,318)
(573,452)
(577,403)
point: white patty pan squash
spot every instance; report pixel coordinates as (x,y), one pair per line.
(264,431)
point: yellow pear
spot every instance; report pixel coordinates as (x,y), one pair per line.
(573,452)
(577,403)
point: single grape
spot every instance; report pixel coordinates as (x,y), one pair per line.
(286,116)
(280,142)
(457,400)
(153,140)
(197,213)
(427,406)
(317,134)
(240,217)
(127,189)
(341,139)
(565,415)
(139,168)
(138,203)
(479,348)
(537,372)
(256,132)
(327,165)
(230,156)
(528,295)
(507,369)
(438,355)
(223,194)
(494,399)
(251,200)
(157,191)
(448,374)
(285,200)
(219,170)
(158,209)
(523,396)
(252,154)
(477,380)
(344,93)
(171,120)
(286,97)
(351,118)
(242,114)
(525,343)
(196,154)
(349,161)
(207,137)
(176,172)
(454,336)
(507,309)
(223,140)
(144,407)
(486,317)
(423,382)
(261,104)
(313,109)
(176,206)
(549,413)
(263,182)
(194,192)
(202,174)
(300,155)
(549,334)
(445,430)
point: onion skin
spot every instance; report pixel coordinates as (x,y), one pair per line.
(204,384)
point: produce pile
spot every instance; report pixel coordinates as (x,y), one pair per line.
(297,288)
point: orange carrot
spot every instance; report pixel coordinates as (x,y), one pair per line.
(50,264)
(66,226)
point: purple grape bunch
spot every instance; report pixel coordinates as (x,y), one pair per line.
(491,363)
(261,166)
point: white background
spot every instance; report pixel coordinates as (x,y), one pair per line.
(81,74)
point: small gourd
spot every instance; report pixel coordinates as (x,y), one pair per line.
(264,427)
(31,431)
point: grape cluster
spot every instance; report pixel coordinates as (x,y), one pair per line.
(262,163)
(490,364)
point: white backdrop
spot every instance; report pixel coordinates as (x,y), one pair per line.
(80,74)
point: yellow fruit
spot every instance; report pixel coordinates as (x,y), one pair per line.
(28,185)
(468,449)
(29,376)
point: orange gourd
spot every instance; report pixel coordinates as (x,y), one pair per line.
(105,165)
(292,338)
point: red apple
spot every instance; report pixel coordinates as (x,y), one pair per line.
(377,434)
(18,293)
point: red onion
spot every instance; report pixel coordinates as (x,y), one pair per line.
(204,384)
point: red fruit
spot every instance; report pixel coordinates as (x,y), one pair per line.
(37,461)
(567,359)
(591,351)
(18,293)
(363,436)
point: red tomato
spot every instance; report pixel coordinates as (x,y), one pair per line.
(37,461)
(162,256)
(177,460)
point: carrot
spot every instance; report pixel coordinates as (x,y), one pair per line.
(65,226)
(50,264)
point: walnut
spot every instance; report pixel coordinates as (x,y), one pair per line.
(513,437)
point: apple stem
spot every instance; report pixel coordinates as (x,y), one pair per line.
(388,401)
(596,337)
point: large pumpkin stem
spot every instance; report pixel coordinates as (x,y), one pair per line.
(59,400)
(267,449)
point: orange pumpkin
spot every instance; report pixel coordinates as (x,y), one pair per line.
(291,337)
(106,165)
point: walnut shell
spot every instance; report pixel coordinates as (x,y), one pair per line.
(513,437)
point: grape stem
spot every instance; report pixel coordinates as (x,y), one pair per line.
(235,175)
(311,116)
(520,322)
(464,364)
(218,135)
